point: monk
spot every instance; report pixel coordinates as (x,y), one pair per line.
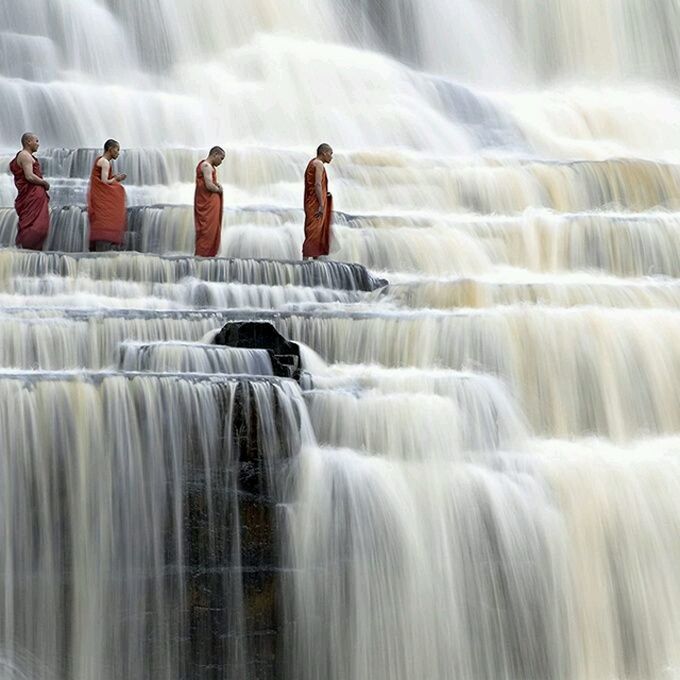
(32,202)
(106,201)
(208,204)
(318,205)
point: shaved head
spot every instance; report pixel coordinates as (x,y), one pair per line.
(30,142)
(324,153)
(216,156)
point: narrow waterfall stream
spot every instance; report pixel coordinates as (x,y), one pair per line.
(476,473)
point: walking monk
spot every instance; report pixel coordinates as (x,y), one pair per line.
(208,204)
(32,202)
(106,200)
(318,205)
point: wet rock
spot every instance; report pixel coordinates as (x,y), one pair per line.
(285,355)
(230,557)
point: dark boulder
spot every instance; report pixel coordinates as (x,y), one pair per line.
(285,355)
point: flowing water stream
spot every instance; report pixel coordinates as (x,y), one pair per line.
(478,476)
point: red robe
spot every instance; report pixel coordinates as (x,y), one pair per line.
(207,216)
(32,206)
(317,229)
(106,207)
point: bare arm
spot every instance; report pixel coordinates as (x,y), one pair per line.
(207,169)
(105,165)
(318,187)
(26,163)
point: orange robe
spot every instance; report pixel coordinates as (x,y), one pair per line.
(106,207)
(207,216)
(32,206)
(317,229)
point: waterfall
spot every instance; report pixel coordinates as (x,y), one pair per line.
(552,572)
(495,39)
(178,357)
(103,516)
(474,471)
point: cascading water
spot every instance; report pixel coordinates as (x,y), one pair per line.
(478,475)
(115,487)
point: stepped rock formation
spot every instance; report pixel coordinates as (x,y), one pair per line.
(452,451)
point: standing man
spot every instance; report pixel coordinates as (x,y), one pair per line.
(318,205)
(106,201)
(32,201)
(208,204)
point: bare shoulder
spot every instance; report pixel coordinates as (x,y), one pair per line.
(24,156)
(102,162)
(317,163)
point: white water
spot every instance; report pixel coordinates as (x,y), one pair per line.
(95,511)
(486,453)
(180,357)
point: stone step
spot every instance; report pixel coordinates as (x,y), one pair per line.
(194,357)
(624,244)
(575,290)
(369,181)
(138,267)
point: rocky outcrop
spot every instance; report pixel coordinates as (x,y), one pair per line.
(285,355)
(231,546)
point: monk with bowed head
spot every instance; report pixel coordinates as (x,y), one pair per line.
(106,200)
(208,204)
(32,201)
(318,205)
